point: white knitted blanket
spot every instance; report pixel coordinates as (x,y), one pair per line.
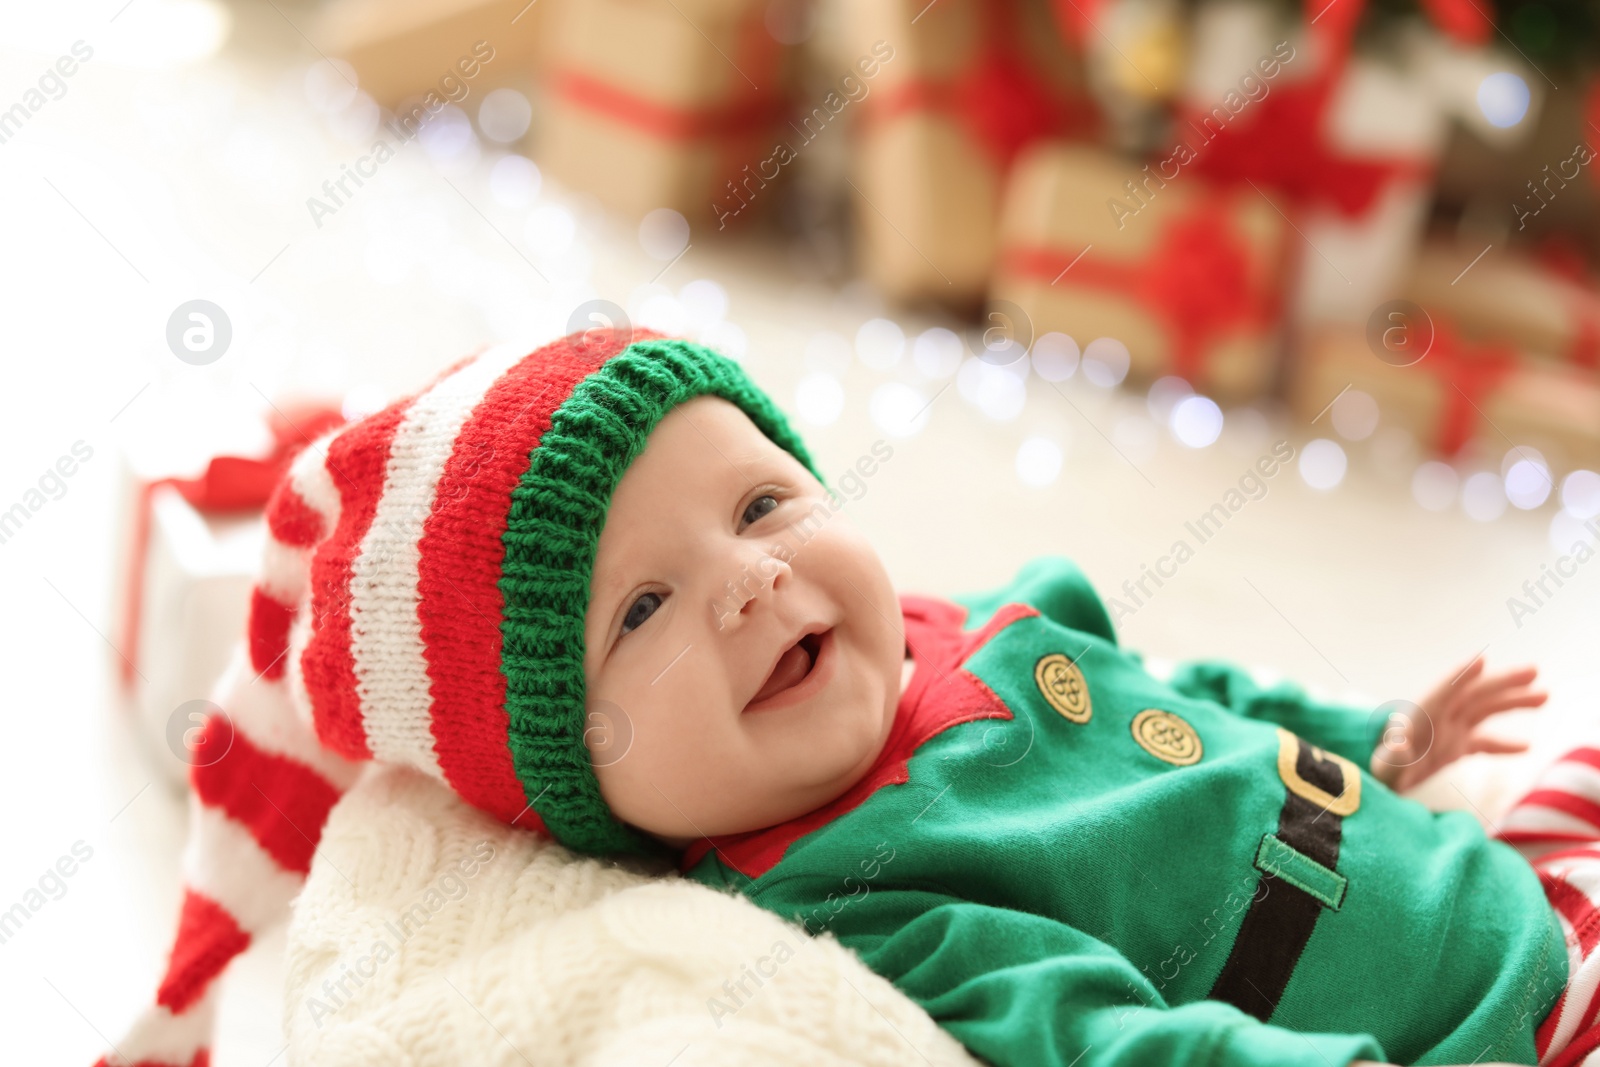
(430,934)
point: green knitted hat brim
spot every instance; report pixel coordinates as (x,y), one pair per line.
(552,535)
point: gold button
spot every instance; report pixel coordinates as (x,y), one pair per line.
(1062,685)
(1167,737)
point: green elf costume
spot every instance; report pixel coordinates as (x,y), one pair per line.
(1067,861)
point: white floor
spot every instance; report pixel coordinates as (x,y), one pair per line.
(144,186)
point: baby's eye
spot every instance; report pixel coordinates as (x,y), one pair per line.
(760,506)
(640,610)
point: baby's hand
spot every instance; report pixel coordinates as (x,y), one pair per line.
(1441,730)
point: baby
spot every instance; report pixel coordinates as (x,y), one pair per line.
(601,592)
(1054,853)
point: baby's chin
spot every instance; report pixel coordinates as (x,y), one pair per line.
(821,751)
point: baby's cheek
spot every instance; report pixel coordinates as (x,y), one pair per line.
(649,749)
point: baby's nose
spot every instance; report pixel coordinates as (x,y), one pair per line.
(759,577)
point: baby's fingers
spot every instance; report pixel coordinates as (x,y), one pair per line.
(1491,704)
(1506,679)
(1455,686)
(1493,685)
(1499,746)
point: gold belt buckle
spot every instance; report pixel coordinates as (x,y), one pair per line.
(1343,804)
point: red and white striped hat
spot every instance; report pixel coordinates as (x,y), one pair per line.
(421,601)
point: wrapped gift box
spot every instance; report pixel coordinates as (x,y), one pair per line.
(969,85)
(1385,135)
(403,50)
(1345,144)
(1185,274)
(1511,295)
(667,103)
(193,545)
(1459,392)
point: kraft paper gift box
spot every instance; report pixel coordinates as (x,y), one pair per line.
(1459,393)
(192,550)
(1545,309)
(969,85)
(675,104)
(1189,281)
(402,50)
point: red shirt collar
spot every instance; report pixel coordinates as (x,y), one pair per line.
(941,695)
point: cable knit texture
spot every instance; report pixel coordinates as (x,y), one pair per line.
(544,956)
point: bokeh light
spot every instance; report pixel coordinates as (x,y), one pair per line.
(1196,421)
(704,301)
(880,343)
(998,392)
(1580,493)
(549,230)
(663,234)
(819,398)
(937,352)
(1355,415)
(1164,394)
(1483,496)
(1105,362)
(514,181)
(504,115)
(1038,461)
(899,410)
(1322,464)
(1503,97)
(330,84)
(1055,357)
(1527,480)
(1567,531)
(1434,485)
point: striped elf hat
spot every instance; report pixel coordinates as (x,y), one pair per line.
(421,601)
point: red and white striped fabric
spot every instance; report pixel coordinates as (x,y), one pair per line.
(1557,827)
(380,574)
(407,588)
(257,811)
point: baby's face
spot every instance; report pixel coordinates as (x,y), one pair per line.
(743,644)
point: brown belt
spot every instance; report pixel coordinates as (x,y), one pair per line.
(1299,880)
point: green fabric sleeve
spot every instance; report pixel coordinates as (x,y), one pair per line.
(1021,990)
(1351,732)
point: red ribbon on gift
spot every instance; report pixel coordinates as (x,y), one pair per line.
(1470,373)
(228,484)
(1462,19)
(1077,19)
(1561,256)
(1197,279)
(1279,141)
(998,99)
(1585,350)
(749,114)
(750,111)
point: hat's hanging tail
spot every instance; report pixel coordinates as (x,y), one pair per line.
(261,787)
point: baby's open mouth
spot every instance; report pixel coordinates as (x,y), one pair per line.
(792,668)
